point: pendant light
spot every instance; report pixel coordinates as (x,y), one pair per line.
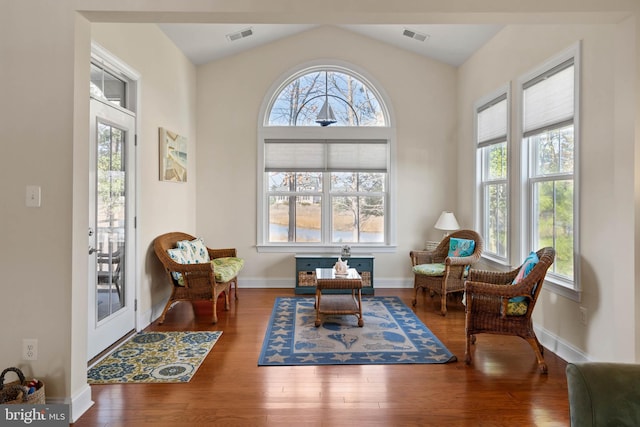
(325,116)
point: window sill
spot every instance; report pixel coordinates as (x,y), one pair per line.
(562,290)
(284,248)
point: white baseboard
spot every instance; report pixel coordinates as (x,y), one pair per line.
(80,403)
(559,347)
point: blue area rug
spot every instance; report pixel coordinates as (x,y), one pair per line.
(392,334)
(155,357)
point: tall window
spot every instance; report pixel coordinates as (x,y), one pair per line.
(549,146)
(325,163)
(492,161)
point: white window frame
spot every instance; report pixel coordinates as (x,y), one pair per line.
(301,133)
(481,213)
(555,283)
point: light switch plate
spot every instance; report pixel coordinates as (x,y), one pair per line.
(33,196)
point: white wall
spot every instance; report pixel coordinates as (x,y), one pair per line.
(606,276)
(230,93)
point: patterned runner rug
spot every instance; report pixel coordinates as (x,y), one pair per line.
(162,357)
(391,334)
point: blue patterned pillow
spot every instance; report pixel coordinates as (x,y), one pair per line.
(526,268)
(181,256)
(198,250)
(461,247)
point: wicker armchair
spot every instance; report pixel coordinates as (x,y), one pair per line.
(198,281)
(451,279)
(489,309)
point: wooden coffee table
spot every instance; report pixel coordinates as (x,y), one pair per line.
(338,303)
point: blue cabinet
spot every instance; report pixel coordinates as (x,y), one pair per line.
(306,271)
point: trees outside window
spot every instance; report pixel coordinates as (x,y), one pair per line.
(492,176)
(549,147)
(324,184)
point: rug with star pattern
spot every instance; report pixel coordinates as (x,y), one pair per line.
(155,357)
(392,334)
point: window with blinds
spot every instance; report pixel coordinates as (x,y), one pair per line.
(325,164)
(493,197)
(549,148)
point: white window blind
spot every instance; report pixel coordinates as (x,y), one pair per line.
(549,99)
(325,155)
(492,122)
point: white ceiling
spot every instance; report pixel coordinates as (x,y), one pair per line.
(452,44)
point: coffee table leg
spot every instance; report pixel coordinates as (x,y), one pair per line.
(318,296)
(360,318)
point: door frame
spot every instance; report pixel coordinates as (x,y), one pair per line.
(102,56)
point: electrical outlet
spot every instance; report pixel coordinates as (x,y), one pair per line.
(29,349)
(583,315)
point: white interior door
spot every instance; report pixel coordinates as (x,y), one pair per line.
(111,226)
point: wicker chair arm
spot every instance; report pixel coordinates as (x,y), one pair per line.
(222,253)
(425,257)
(465,260)
(495,277)
(205,267)
(500,291)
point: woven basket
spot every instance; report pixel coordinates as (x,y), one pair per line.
(17,392)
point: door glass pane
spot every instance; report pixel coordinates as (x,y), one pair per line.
(107,86)
(110,212)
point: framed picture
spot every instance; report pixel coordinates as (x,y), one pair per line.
(173,156)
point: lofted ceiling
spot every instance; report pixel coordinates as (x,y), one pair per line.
(449,43)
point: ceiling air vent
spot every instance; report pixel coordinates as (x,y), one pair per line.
(415,35)
(239,35)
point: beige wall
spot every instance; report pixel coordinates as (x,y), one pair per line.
(230,93)
(604,276)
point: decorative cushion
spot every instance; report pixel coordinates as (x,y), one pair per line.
(198,249)
(434,270)
(181,256)
(517,308)
(526,268)
(227,268)
(461,247)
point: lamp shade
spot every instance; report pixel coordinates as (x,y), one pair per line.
(447,222)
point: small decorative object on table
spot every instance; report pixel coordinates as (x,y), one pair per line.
(341,267)
(346,251)
(21,391)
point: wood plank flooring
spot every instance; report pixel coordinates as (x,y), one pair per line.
(501,388)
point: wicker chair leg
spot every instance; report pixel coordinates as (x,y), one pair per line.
(443,303)
(235,287)
(169,304)
(533,342)
(214,303)
(227,306)
(414,301)
(164,313)
(467,350)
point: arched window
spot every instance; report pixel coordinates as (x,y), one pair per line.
(324,97)
(325,174)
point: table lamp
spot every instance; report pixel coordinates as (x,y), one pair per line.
(447,222)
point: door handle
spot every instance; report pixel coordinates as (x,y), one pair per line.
(92,250)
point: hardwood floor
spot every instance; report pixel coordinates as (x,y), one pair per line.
(501,388)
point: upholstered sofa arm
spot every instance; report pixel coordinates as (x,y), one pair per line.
(604,394)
